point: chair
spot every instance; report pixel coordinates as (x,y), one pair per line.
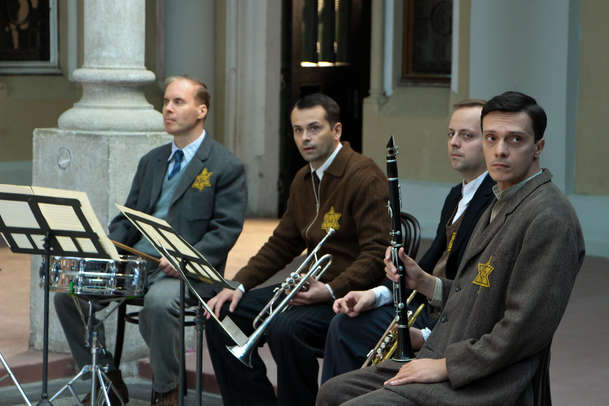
(411,232)
(541,380)
(132,317)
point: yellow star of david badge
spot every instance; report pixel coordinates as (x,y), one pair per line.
(484,270)
(331,220)
(202,180)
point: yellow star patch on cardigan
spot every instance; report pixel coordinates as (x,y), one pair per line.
(331,220)
(202,180)
(451,242)
(484,270)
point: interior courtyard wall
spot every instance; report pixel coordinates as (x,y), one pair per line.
(592,164)
(33,101)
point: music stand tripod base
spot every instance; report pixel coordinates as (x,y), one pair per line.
(97,372)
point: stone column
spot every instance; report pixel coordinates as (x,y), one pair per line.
(99,140)
(253,61)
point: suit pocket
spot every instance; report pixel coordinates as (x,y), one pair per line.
(199,206)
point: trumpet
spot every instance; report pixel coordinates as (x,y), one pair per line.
(292,285)
(388,343)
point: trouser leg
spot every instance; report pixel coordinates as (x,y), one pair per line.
(73,316)
(240,385)
(159,324)
(345,387)
(350,339)
(296,338)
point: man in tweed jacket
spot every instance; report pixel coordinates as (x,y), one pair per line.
(510,292)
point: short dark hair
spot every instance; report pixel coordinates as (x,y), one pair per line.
(319,99)
(202,93)
(469,103)
(515,102)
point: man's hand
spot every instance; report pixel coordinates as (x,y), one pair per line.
(167,268)
(355,302)
(416,278)
(423,370)
(216,302)
(416,338)
(316,293)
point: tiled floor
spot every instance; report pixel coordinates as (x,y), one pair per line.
(580,358)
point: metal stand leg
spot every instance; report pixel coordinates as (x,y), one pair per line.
(44,401)
(97,372)
(15,381)
(200,325)
(181,386)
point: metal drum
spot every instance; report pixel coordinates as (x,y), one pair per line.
(98,277)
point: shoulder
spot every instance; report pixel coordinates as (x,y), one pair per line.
(219,154)
(161,152)
(362,166)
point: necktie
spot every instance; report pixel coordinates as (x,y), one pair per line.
(177,163)
(316,181)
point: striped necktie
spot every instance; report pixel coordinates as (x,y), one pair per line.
(177,163)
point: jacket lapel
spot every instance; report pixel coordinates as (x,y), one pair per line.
(158,173)
(473,212)
(484,232)
(194,168)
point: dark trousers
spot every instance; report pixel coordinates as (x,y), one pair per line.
(350,339)
(296,338)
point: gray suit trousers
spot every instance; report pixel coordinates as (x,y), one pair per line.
(362,387)
(158,323)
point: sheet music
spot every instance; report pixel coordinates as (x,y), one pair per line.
(21,241)
(180,246)
(168,243)
(17,214)
(60,217)
(63,217)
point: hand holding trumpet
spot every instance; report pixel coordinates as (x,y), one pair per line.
(315,292)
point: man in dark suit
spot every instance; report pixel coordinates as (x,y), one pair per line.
(199,187)
(491,345)
(364,315)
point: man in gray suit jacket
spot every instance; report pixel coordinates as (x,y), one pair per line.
(199,187)
(491,344)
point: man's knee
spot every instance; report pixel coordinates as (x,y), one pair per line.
(62,302)
(327,393)
(159,302)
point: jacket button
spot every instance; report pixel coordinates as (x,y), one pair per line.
(444,319)
(457,289)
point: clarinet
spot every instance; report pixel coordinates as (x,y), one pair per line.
(404,351)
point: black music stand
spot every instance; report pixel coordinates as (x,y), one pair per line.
(50,222)
(190,264)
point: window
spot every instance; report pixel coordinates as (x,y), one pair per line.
(427,41)
(325,33)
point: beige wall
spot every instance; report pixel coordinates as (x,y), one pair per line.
(592,165)
(417,116)
(34,101)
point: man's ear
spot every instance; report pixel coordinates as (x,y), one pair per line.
(338,129)
(539,147)
(203,111)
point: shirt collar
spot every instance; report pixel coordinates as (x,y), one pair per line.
(512,189)
(320,171)
(189,150)
(469,189)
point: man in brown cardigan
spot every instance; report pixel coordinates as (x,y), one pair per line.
(491,345)
(338,189)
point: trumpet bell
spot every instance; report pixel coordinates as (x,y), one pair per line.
(243,353)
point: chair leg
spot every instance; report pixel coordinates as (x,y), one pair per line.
(120,334)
